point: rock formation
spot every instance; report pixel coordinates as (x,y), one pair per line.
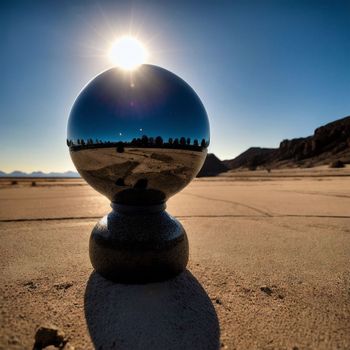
(212,166)
(329,143)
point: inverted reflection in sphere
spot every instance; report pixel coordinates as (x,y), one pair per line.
(138,137)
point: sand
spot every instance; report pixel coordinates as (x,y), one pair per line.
(269,267)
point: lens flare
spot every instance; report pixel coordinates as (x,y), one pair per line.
(128,53)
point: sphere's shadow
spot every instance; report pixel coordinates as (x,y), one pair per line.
(175,314)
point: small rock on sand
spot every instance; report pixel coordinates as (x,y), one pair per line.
(30,284)
(64,285)
(49,335)
(266,290)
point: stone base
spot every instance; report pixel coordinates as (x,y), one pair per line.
(138,245)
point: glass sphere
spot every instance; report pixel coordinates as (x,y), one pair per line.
(138,137)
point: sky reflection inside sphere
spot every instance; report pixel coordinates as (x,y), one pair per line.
(122,105)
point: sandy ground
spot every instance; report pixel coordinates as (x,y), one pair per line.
(269,267)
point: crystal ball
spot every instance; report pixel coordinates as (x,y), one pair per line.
(138,137)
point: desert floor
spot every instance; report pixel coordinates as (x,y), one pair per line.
(269,267)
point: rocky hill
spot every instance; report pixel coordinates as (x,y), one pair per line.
(329,143)
(212,166)
(251,156)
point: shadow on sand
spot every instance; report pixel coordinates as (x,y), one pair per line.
(176,314)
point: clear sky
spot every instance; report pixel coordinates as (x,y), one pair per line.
(265,70)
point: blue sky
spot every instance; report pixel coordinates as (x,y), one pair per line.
(265,70)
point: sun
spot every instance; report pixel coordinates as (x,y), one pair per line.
(128,53)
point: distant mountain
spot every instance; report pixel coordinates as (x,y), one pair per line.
(18,173)
(329,143)
(37,174)
(251,156)
(212,166)
(68,173)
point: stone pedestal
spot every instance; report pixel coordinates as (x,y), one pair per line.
(137,244)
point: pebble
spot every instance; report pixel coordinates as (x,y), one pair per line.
(64,285)
(266,290)
(30,284)
(49,335)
